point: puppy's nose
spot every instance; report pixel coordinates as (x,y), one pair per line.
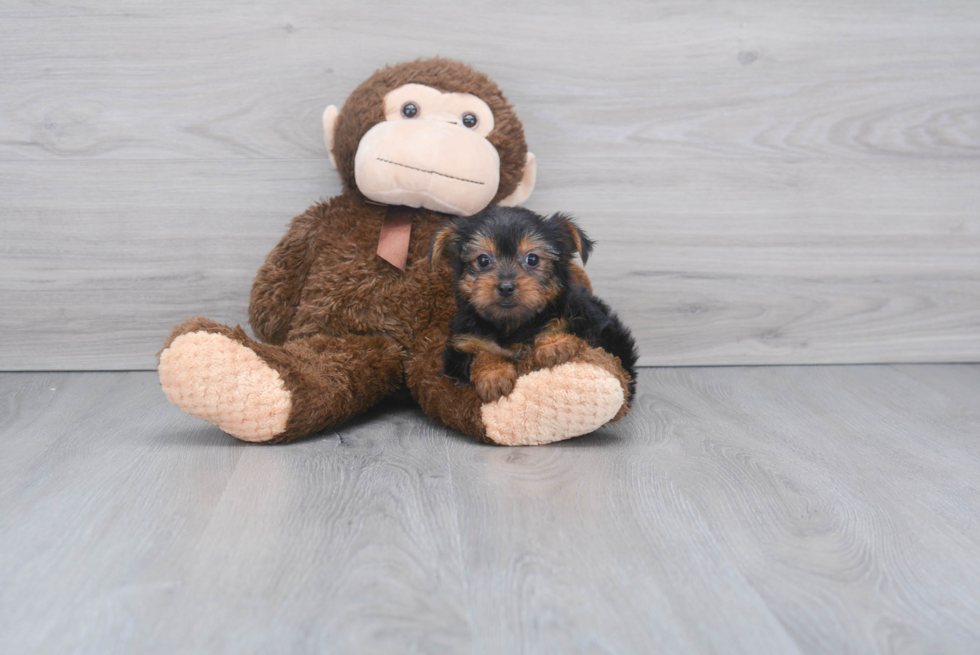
(506,289)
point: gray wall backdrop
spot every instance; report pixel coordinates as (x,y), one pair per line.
(768,182)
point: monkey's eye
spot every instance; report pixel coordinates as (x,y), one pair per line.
(410,110)
(532,259)
(470,120)
(483,261)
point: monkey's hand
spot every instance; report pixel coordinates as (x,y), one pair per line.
(493,376)
(553,347)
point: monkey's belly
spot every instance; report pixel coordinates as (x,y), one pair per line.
(378,302)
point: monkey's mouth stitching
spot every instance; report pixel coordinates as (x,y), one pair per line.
(422,170)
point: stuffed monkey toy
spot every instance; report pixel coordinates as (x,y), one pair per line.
(347,306)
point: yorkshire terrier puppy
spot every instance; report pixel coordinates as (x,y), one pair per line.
(521,298)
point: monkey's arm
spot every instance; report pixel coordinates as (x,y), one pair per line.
(277,287)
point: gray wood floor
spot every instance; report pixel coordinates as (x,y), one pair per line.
(769,182)
(737,510)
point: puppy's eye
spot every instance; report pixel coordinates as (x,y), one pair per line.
(410,110)
(532,260)
(482,261)
(470,120)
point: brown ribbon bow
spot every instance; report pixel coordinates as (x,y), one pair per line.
(395,234)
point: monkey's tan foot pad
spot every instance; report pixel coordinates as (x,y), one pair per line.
(225,383)
(554,404)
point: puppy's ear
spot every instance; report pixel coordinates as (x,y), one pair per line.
(443,244)
(581,243)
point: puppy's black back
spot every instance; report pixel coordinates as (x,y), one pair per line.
(592,320)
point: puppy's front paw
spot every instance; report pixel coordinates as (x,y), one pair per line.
(556,350)
(492,383)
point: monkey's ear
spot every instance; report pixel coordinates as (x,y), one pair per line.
(581,243)
(329,125)
(443,244)
(525,186)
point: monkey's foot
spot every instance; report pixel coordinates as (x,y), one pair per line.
(222,381)
(554,404)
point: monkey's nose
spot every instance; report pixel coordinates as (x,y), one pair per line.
(506,289)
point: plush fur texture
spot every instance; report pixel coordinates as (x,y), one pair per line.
(516,299)
(343,328)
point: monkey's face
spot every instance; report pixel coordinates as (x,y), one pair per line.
(430,133)
(430,151)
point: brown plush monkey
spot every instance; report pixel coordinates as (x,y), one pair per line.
(347,304)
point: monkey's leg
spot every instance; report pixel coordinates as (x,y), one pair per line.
(546,405)
(455,406)
(271,394)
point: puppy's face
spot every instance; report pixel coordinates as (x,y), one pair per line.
(509,262)
(508,278)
